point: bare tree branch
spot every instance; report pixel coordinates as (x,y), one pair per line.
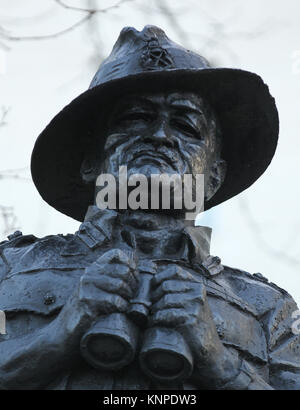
(94,33)
(91,10)
(3,115)
(46,36)
(89,14)
(8,171)
(9,219)
(260,240)
(174,23)
(14,174)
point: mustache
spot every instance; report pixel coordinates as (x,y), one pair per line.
(162,153)
(133,147)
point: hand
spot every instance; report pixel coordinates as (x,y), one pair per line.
(179,301)
(106,287)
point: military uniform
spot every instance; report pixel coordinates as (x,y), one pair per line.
(252,315)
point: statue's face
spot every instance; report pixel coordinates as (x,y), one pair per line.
(163,133)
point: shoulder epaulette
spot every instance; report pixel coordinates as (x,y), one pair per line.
(18,239)
(258,277)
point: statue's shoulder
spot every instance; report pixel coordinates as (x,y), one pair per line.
(252,280)
(23,242)
(38,274)
(17,238)
(22,252)
(255,289)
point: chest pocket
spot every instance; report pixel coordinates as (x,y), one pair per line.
(41,292)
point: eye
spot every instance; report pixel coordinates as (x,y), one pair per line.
(187,128)
(136,116)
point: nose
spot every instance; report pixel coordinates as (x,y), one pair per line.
(162,135)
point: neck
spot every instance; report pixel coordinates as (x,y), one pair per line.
(154,235)
(158,217)
(174,216)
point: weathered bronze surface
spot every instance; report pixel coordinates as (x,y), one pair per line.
(134,300)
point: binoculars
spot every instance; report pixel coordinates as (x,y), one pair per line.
(112,342)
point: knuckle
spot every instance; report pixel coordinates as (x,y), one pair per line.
(169,302)
(111,304)
(113,255)
(122,271)
(118,303)
(165,286)
(170,299)
(116,287)
(172,270)
(124,290)
(170,317)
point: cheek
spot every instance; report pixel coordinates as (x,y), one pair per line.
(196,157)
(114,158)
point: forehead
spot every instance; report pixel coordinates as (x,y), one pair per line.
(178,99)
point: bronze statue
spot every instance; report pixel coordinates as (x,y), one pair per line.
(134,300)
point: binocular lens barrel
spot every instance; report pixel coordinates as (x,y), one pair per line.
(110,344)
(165,356)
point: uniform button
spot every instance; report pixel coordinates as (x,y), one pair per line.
(49,299)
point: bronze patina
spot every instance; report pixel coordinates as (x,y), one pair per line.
(134,300)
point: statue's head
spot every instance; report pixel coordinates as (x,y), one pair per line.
(157,108)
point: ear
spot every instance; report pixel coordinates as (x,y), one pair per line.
(88,169)
(216,178)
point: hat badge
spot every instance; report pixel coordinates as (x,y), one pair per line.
(155,57)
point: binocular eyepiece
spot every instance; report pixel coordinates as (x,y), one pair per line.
(111,344)
(165,355)
(113,340)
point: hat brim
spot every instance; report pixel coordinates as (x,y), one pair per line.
(246,111)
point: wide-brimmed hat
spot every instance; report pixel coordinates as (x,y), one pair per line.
(149,61)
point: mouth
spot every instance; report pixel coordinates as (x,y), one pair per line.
(150,155)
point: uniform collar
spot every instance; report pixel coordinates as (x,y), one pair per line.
(161,237)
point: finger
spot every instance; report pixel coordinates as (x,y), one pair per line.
(169,317)
(176,273)
(173,286)
(113,271)
(176,300)
(117,256)
(113,285)
(122,272)
(176,316)
(112,304)
(105,302)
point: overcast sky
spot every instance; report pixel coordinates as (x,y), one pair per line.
(257,231)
